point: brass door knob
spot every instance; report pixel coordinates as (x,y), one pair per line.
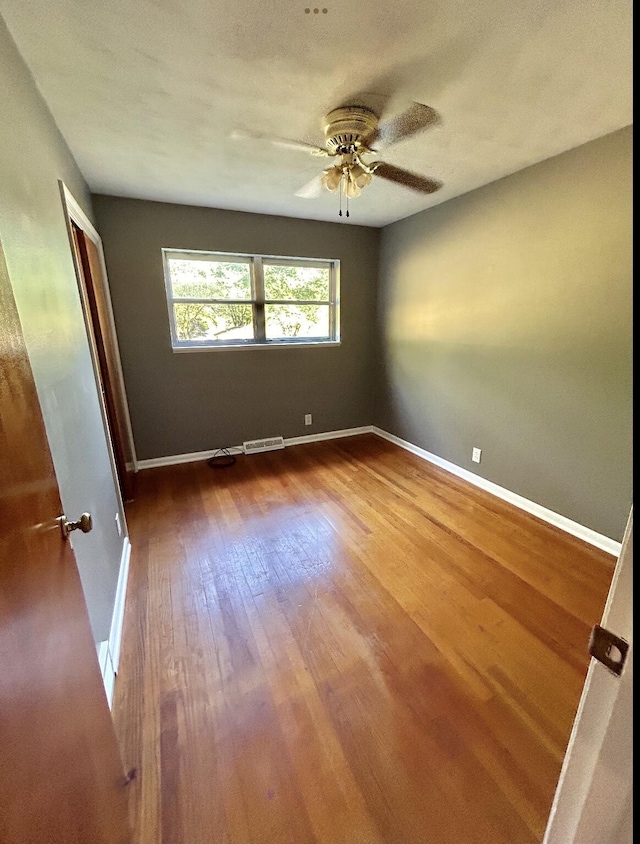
(84,523)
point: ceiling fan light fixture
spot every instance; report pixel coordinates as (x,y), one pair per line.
(360,175)
(352,133)
(350,188)
(332,178)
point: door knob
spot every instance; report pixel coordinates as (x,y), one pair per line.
(84,523)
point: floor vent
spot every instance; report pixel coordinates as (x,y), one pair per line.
(253,446)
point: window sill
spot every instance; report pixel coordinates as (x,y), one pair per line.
(253,346)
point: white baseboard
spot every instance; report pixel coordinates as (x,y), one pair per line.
(610,546)
(329,435)
(195,456)
(115,634)
(191,457)
(562,522)
(106,669)
(109,650)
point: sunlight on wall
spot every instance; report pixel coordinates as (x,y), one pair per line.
(506,317)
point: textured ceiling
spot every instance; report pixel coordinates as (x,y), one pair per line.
(148,92)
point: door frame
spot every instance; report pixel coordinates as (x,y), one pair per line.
(593,799)
(73,213)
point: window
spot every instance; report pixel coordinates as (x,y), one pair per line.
(230,301)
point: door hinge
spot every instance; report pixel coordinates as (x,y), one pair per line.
(608,649)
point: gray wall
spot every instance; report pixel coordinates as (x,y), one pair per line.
(183,403)
(33,156)
(505,318)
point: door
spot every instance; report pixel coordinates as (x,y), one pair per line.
(592,804)
(61,777)
(102,335)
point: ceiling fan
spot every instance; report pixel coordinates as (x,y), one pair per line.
(353,134)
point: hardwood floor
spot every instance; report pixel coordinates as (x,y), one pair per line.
(339,642)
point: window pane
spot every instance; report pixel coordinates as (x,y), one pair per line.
(286,321)
(209,279)
(215,323)
(310,283)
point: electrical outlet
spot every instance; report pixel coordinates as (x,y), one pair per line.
(476,454)
(118,524)
(307,419)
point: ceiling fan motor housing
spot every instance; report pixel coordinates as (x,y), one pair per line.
(348,128)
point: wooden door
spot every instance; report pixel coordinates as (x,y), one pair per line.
(99,324)
(61,777)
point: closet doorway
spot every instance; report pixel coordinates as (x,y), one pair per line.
(96,304)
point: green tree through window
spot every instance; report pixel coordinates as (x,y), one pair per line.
(286,283)
(215,300)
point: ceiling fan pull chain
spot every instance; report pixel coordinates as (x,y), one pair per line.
(347,205)
(340,194)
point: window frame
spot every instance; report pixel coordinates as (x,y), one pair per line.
(257,302)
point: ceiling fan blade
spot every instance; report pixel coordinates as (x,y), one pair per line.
(313,189)
(274,140)
(421,184)
(414,119)
(383,92)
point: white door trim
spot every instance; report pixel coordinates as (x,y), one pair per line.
(109,650)
(106,669)
(74,213)
(593,799)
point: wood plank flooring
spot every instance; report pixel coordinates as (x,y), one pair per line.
(339,642)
